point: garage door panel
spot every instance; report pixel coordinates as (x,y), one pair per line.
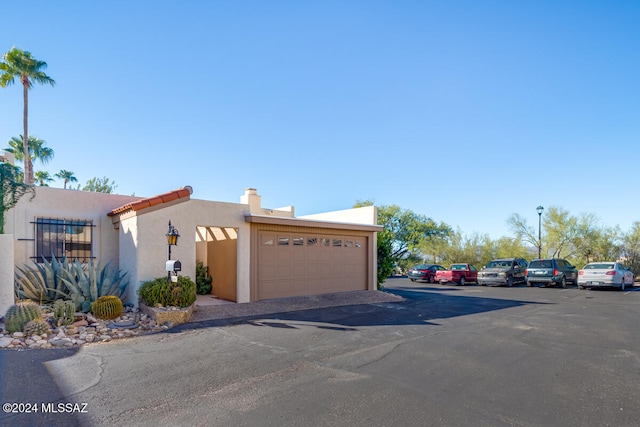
(267,272)
(316,264)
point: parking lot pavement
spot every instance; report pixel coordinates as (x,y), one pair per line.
(438,355)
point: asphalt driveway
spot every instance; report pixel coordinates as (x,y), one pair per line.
(439,355)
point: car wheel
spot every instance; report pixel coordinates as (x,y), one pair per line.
(582,287)
(622,285)
(413,280)
(461,281)
(510,281)
(529,284)
(563,283)
(432,279)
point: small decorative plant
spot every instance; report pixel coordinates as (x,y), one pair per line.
(64,312)
(18,315)
(75,281)
(36,327)
(107,307)
(203,280)
(161,292)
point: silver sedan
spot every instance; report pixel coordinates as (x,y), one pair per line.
(605,274)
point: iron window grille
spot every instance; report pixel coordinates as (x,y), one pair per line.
(63,238)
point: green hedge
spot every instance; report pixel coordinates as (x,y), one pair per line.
(159,291)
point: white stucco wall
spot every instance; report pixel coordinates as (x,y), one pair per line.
(6,273)
(363,215)
(143,244)
(66,204)
(137,243)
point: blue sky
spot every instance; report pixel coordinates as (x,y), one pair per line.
(464,111)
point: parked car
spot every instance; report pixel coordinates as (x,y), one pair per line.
(552,271)
(503,271)
(457,273)
(605,274)
(426,272)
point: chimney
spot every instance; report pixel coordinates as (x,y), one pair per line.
(251,198)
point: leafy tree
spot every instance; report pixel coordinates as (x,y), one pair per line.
(508,247)
(66,176)
(385,258)
(404,232)
(579,239)
(17,63)
(523,231)
(563,235)
(631,248)
(36,147)
(99,185)
(605,244)
(42,178)
(476,249)
(12,189)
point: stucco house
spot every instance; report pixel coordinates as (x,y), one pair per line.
(252,253)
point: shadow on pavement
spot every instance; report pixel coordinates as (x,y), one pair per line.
(26,381)
(419,307)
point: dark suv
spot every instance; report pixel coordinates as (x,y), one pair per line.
(552,271)
(503,271)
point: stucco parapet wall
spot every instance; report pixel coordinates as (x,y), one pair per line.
(298,222)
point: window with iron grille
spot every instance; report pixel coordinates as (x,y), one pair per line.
(63,238)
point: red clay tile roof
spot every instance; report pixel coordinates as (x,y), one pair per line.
(141,204)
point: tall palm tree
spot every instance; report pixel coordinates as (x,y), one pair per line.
(36,147)
(20,63)
(42,178)
(67,176)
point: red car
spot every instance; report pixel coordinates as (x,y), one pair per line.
(426,272)
(457,273)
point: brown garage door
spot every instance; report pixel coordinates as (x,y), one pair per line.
(299,263)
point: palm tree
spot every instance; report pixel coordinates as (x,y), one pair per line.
(42,178)
(36,147)
(67,176)
(20,63)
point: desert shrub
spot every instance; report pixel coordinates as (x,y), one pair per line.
(20,314)
(107,307)
(203,280)
(160,291)
(75,281)
(88,282)
(42,283)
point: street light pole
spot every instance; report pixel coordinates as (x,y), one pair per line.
(539,209)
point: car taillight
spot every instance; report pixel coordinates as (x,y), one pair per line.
(580,272)
(611,273)
(555,272)
(526,272)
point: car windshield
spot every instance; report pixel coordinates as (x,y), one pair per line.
(599,266)
(541,263)
(422,267)
(499,264)
(459,267)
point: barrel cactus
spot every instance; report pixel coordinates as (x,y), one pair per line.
(19,314)
(36,327)
(107,307)
(64,312)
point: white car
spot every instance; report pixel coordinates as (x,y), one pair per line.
(605,274)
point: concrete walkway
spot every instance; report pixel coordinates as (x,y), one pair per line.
(208,308)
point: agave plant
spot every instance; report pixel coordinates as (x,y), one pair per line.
(86,283)
(80,283)
(42,283)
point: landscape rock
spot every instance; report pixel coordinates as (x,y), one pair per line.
(86,330)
